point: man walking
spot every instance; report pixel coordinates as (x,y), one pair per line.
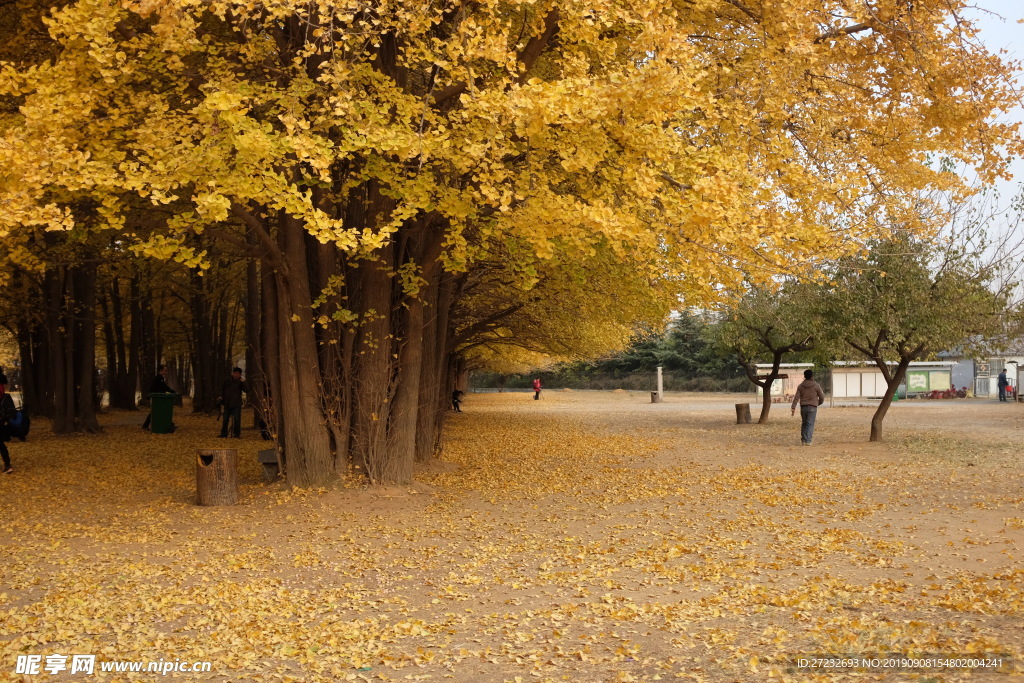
(808,396)
(1002,384)
(231,400)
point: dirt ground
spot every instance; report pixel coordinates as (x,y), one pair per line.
(589,536)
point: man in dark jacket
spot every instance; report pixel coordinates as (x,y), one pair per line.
(159,386)
(1001,384)
(809,396)
(231,400)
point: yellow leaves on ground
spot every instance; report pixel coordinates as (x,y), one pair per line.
(583,537)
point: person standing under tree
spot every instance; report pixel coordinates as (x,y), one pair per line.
(7,411)
(536,389)
(231,400)
(809,396)
(159,386)
(1002,383)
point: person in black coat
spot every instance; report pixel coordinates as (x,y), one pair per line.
(159,386)
(231,400)
(7,411)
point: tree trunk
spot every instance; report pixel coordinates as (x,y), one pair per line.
(307,442)
(217,476)
(892,386)
(766,398)
(83,305)
(407,394)
(253,371)
(136,371)
(374,368)
(334,341)
(430,375)
(58,329)
(126,382)
(205,353)
(148,357)
(423,249)
(113,371)
(434,390)
(29,397)
(270,351)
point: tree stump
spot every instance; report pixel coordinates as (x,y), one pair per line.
(216,476)
(655,398)
(743,414)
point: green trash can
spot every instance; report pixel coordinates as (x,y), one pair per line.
(162,412)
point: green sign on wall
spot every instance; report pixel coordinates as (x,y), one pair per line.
(921,381)
(917,380)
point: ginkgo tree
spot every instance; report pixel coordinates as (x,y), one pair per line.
(908,299)
(770,325)
(367,153)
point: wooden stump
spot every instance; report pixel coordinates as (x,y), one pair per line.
(216,476)
(655,398)
(743,414)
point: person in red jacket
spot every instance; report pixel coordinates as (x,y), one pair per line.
(536,389)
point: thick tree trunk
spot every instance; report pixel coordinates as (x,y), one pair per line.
(423,248)
(374,368)
(307,442)
(435,395)
(407,396)
(71,327)
(334,343)
(430,374)
(217,476)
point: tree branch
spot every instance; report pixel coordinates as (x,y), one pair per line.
(527,58)
(743,8)
(846,31)
(274,254)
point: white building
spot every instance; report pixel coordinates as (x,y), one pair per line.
(854,379)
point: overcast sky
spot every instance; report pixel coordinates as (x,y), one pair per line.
(1004,32)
